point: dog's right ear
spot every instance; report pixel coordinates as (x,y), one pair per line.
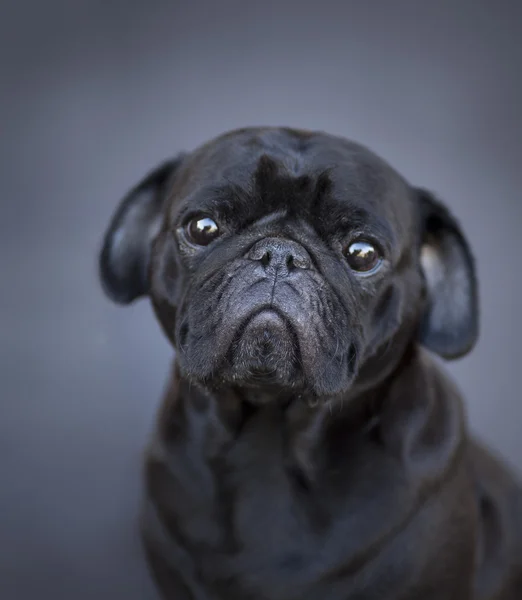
(125,254)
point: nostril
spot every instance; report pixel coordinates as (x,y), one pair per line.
(276,253)
(265,259)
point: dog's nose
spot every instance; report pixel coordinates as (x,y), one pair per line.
(280,254)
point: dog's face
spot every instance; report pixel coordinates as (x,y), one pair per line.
(291,260)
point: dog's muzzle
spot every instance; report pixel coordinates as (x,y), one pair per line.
(265,349)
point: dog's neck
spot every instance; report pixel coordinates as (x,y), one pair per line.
(401,414)
(304,419)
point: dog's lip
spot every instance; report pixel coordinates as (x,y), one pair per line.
(265,316)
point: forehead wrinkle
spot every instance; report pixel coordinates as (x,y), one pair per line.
(272,217)
(263,180)
(296,187)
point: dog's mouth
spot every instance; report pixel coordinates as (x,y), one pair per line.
(283,338)
(264,350)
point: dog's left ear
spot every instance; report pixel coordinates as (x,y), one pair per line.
(124,258)
(449,325)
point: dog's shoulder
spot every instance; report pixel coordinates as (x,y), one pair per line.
(499,499)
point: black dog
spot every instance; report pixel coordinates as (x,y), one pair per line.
(308,447)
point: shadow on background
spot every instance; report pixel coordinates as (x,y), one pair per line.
(93,95)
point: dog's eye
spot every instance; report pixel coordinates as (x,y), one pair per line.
(363,256)
(202,230)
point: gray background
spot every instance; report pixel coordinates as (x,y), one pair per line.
(93,95)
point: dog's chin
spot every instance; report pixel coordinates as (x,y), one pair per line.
(265,359)
(264,355)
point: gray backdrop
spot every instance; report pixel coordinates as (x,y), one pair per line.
(93,95)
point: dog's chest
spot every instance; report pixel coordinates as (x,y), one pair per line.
(243,518)
(240,498)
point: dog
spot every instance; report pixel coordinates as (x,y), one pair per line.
(309,446)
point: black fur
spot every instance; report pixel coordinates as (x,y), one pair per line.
(308,447)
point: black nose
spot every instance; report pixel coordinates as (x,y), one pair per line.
(280,254)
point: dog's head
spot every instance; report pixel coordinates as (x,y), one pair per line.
(292,260)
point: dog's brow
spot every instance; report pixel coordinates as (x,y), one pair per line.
(346,219)
(222,201)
